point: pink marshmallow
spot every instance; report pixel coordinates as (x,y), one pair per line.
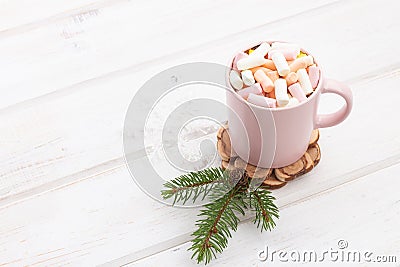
(290,53)
(262,101)
(297,92)
(253,89)
(313,73)
(266,83)
(237,58)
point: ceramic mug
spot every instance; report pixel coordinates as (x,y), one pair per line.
(277,137)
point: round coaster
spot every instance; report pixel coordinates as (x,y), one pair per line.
(273,178)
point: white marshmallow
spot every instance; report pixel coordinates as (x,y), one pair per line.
(250,62)
(247,77)
(235,80)
(309,60)
(237,58)
(261,101)
(280,63)
(304,81)
(261,50)
(281,92)
(293,102)
(254,89)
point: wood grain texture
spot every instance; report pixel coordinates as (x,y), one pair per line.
(65,194)
(85,126)
(35,13)
(110,208)
(354,212)
(106,39)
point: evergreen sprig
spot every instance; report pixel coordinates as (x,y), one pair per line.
(229,198)
(265,209)
(219,217)
(193,185)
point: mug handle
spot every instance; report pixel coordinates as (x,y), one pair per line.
(335,87)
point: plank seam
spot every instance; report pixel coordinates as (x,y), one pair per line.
(171,56)
(119,162)
(356,175)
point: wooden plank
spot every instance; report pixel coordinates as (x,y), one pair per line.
(107,38)
(364,207)
(15,19)
(85,126)
(105,216)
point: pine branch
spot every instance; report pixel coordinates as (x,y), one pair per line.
(265,209)
(193,184)
(220,217)
(229,196)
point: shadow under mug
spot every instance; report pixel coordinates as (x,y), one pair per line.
(278,137)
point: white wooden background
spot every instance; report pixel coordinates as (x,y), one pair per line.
(68,70)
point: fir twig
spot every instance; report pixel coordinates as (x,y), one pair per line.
(230,196)
(219,217)
(192,185)
(265,209)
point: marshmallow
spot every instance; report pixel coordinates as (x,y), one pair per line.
(260,68)
(273,75)
(254,89)
(235,80)
(291,78)
(247,77)
(292,102)
(261,50)
(281,92)
(313,73)
(237,58)
(290,53)
(261,101)
(269,64)
(266,83)
(280,63)
(250,62)
(304,81)
(301,63)
(309,60)
(296,91)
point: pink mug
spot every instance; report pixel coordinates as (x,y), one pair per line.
(277,137)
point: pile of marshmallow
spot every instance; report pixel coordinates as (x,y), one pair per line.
(275,75)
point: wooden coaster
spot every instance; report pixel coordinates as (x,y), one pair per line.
(273,178)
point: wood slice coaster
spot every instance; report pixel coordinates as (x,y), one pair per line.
(273,178)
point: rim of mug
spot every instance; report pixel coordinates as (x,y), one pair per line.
(276,108)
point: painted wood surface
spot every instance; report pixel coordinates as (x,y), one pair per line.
(85,126)
(124,36)
(116,209)
(307,226)
(69,72)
